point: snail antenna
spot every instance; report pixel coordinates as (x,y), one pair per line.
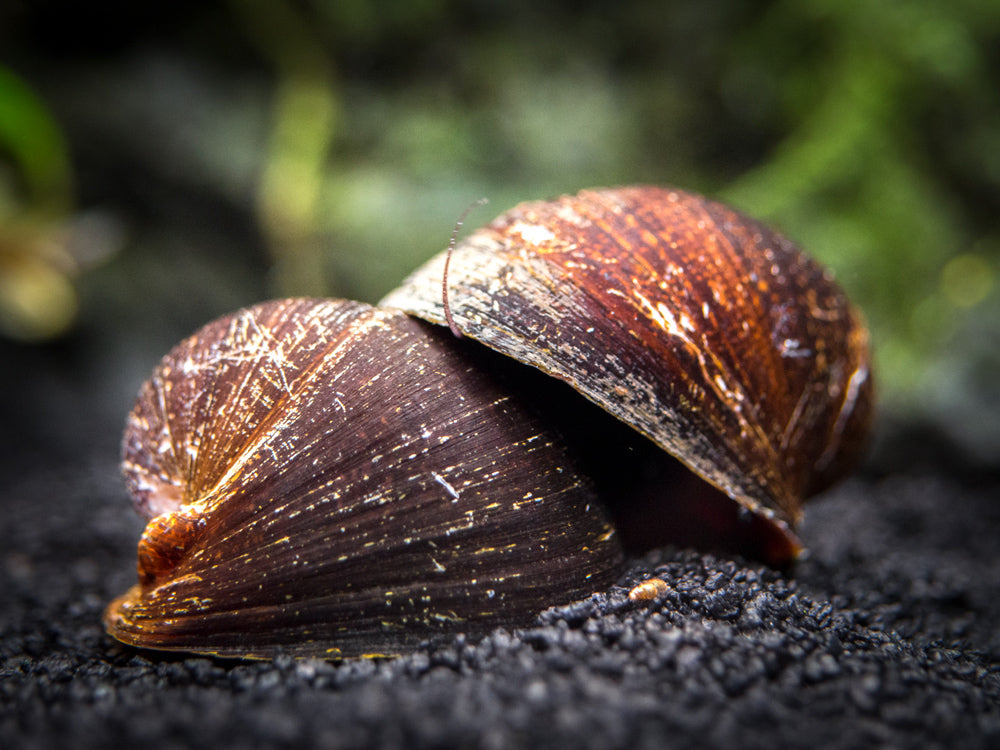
(447,262)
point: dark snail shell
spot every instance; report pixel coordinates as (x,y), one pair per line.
(702,329)
(323,478)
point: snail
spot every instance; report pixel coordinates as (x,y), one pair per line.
(325,478)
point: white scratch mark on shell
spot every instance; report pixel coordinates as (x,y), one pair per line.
(444,483)
(533,233)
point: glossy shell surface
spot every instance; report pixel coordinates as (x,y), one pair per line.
(701,328)
(323,478)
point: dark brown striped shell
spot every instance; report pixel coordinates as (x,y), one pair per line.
(702,329)
(323,478)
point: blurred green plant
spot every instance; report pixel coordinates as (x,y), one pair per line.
(869,131)
(304,115)
(37,297)
(859,179)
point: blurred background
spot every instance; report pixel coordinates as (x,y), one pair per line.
(162,163)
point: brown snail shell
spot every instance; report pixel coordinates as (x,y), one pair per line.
(323,478)
(704,330)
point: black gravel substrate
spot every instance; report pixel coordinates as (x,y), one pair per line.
(885,636)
